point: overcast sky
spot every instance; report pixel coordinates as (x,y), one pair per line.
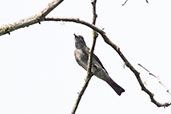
(39,74)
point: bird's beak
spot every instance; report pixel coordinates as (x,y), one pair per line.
(76,37)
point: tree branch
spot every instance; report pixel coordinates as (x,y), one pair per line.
(127,1)
(147,1)
(89,65)
(157,77)
(94,12)
(80,94)
(30,20)
(117,49)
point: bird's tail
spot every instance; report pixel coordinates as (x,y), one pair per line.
(118,89)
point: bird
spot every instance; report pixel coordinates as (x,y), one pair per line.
(81,54)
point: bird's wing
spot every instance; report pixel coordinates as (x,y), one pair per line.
(96,58)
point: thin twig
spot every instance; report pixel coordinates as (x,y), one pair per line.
(94,38)
(30,20)
(157,77)
(125,2)
(147,1)
(80,95)
(89,65)
(94,12)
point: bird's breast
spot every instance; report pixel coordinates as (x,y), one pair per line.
(81,58)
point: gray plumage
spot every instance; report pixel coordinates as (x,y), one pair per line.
(81,55)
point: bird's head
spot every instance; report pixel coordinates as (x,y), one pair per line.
(79,41)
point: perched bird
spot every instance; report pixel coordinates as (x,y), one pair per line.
(81,55)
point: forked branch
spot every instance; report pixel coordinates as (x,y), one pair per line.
(30,20)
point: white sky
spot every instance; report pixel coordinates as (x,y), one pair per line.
(38,72)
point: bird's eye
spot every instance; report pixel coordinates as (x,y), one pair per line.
(81,38)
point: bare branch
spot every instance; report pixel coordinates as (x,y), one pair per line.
(50,7)
(80,94)
(157,77)
(117,49)
(89,65)
(30,20)
(94,11)
(95,35)
(127,1)
(147,1)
